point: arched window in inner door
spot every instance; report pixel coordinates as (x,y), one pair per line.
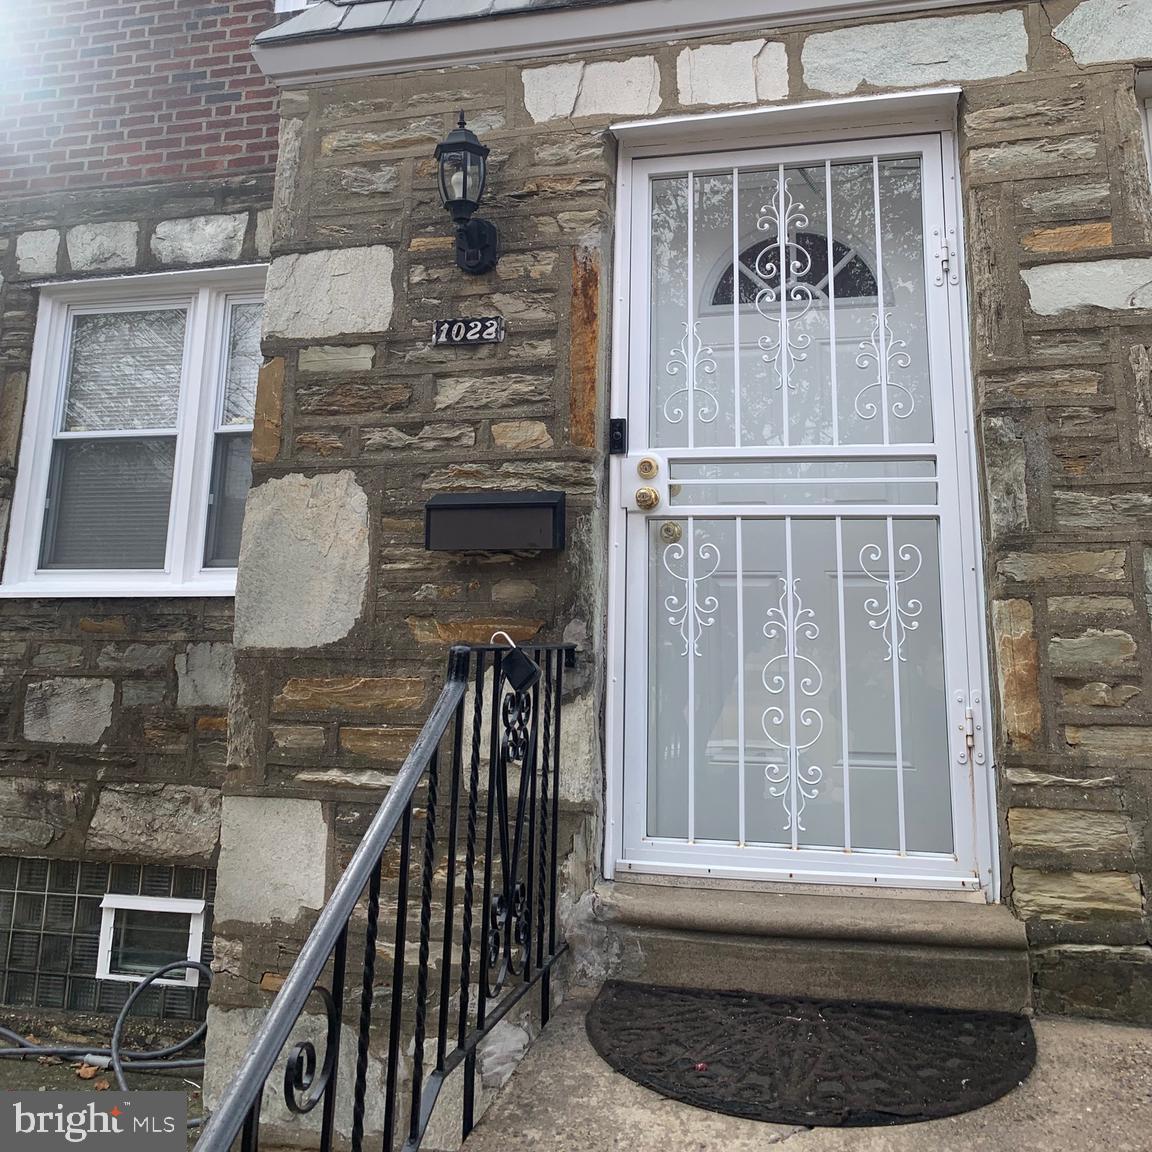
(852,278)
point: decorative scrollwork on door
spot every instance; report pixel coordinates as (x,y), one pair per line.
(792,783)
(884,355)
(893,618)
(787,296)
(688,612)
(693,358)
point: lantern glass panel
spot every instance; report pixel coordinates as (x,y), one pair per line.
(462,176)
(453,176)
(477,174)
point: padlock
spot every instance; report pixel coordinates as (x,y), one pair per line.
(518,668)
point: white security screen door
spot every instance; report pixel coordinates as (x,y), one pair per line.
(802,663)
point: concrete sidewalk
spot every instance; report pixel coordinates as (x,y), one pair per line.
(1091,1091)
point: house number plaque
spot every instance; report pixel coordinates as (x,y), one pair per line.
(469,330)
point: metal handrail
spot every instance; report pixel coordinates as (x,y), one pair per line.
(239,1106)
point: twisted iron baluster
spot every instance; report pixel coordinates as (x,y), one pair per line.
(468,1118)
(339,967)
(545,770)
(450,891)
(425,934)
(366,989)
(524,923)
(394,1019)
(250,1137)
(546,990)
(494,763)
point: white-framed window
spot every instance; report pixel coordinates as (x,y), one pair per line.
(294,5)
(139,934)
(135,457)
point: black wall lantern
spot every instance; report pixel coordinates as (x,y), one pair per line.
(463,163)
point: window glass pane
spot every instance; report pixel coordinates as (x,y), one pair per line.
(803,482)
(20,990)
(62,876)
(124,370)
(144,940)
(84,953)
(231,478)
(125,879)
(674,350)
(29,910)
(108,504)
(243,363)
(34,875)
(156,880)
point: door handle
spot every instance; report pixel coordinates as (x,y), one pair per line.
(647,498)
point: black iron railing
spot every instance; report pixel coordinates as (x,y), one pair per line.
(499,850)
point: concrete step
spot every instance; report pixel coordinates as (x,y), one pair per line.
(939,953)
(1091,1091)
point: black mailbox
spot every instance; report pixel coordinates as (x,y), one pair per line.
(494,522)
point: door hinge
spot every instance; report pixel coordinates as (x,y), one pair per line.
(947,262)
(972,725)
(617,437)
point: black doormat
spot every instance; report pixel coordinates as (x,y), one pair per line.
(819,1063)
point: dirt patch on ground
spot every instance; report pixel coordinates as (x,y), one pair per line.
(55,1074)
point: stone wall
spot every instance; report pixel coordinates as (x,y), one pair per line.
(113,712)
(360,421)
(139,139)
(343,620)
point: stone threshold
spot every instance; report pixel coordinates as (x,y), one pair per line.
(803,916)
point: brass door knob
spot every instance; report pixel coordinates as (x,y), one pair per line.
(647,499)
(647,468)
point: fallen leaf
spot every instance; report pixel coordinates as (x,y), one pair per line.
(49,1060)
(87,1072)
(101,1086)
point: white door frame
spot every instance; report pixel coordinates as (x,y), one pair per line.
(981,849)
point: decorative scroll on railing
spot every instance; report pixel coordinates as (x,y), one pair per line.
(486,830)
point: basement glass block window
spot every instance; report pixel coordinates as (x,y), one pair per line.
(79,935)
(136,457)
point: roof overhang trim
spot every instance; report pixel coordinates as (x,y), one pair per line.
(322,57)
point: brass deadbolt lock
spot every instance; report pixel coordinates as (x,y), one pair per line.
(670,532)
(647,498)
(647,468)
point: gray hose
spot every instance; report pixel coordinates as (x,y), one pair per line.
(121,1061)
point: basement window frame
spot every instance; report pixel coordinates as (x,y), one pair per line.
(208,295)
(116,902)
(1143,93)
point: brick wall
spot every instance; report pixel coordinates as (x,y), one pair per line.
(131,90)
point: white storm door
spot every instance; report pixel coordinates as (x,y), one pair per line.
(802,654)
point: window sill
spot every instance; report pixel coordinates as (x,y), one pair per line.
(89,589)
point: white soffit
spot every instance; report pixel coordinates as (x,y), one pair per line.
(890,114)
(321,57)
